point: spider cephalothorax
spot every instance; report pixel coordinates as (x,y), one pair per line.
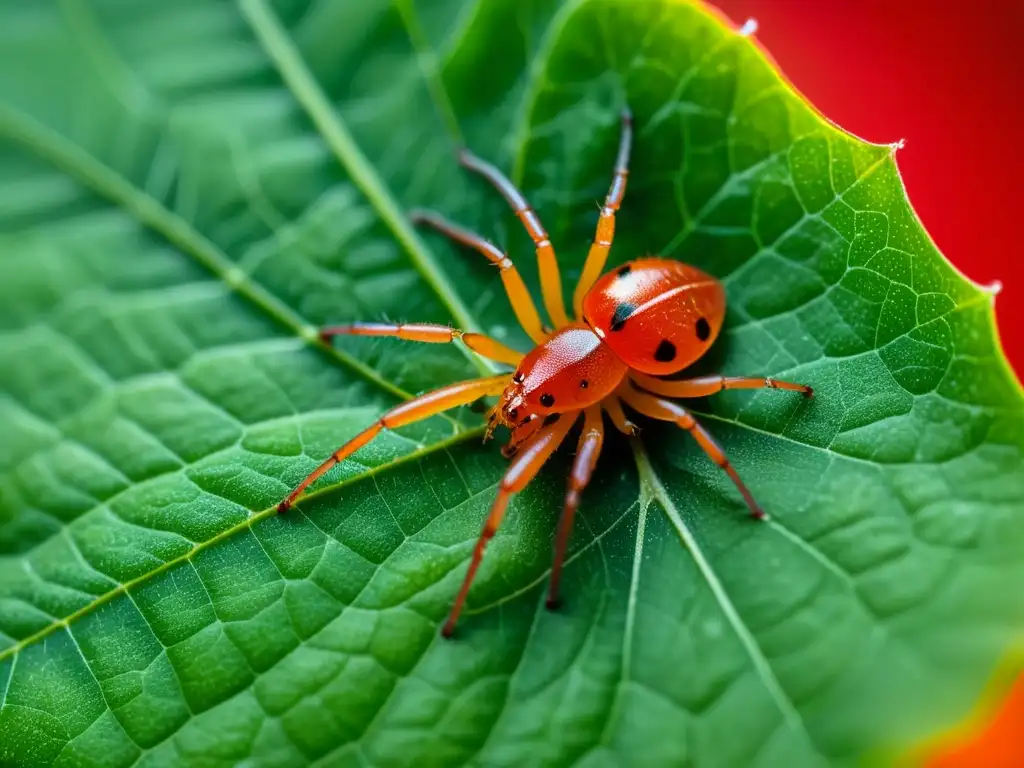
(647,318)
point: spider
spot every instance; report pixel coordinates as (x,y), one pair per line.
(644,320)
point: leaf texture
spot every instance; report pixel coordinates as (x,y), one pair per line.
(190,189)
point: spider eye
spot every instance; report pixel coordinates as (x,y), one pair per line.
(518,378)
(513,412)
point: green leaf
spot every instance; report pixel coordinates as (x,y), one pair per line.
(188,190)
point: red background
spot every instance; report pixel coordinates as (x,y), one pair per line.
(948,77)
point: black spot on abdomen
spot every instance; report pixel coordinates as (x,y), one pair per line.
(547,400)
(703,328)
(623,270)
(666,352)
(623,312)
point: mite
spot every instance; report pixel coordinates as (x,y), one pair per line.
(642,321)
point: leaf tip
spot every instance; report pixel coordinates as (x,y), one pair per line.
(993,289)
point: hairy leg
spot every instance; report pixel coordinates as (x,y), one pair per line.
(550,278)
(598,254)
(522,304)
(428,333)
(587,451)
(709,385)
(665,410)
(521,470)
(414,410)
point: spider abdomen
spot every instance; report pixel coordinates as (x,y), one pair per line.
(657,315)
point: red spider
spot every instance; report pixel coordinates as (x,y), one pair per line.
(648,318)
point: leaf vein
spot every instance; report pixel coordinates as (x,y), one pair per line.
(625,670)
(427,61)
(758,659)
(225,534)
(106,182)
(293,70)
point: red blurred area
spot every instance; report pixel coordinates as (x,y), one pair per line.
(948,77)
(999,744)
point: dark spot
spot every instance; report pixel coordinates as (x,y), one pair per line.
(513,412)
(666,352)
(584,383)
(547,400)
(624,270)
(703,328)
(551,418)
(622,314)
(518,378)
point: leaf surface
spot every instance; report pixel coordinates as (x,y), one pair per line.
(190,189)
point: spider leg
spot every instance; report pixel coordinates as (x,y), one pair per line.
(429,333)
(709,385)
(550,278)
(618,416)
(598,254)
(587,451)
(414,410)
(522,304)
(663,410)
(521,470)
